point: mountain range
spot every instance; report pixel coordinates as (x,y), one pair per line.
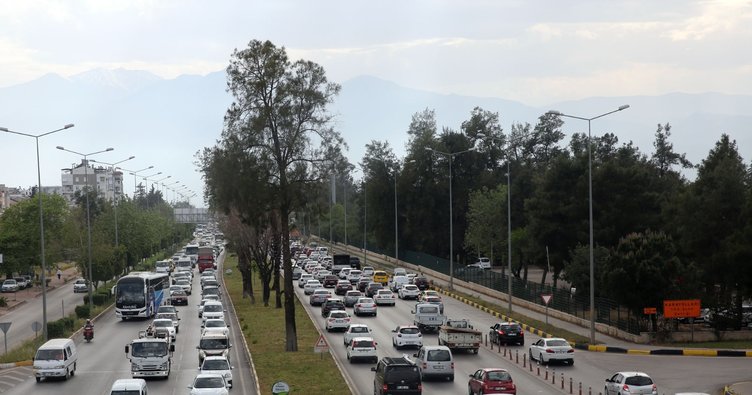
(164,122)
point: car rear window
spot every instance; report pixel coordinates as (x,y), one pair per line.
(638,380)
(359,329)
(557,343)
(410,331)
(499,376)
(363,343)
(439,355)
(401,373)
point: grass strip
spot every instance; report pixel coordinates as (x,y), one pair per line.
(264,330)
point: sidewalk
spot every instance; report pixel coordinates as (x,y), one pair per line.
(16,299)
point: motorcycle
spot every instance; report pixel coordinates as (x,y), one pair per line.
(88,333)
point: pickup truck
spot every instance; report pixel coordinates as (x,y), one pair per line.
(460,335)
(428,317)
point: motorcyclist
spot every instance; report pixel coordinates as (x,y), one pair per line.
(89,326)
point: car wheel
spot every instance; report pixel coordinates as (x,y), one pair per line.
(39,379)
(470,390)
(530,354)
(605,390)
(480,391)
(450,378)
(73,372)
(571,362)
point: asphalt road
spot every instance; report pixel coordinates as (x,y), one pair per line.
(103,361)
(672,374)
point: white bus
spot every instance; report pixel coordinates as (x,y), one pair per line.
(139,294)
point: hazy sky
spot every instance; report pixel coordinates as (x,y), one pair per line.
(536,52)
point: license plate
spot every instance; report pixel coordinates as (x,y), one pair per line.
(403,387)
(500,388)
(339,321)
(439,367)
(512,334)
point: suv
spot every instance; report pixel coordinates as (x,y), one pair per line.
(396,376)
(506,332)
(330,305)
(421,283)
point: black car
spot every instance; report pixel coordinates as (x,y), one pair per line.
(363,283)
(355,262)
(421,283)
(507,333)
(396,376)
(331,304)
(372,288)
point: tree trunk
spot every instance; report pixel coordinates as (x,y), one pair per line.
(275,267)
(291,334)
(246,273)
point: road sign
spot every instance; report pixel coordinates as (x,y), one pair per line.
(36,326)
(4,326)
(687,308)
(546,298)
(649,310)
(321,345)
(280,388)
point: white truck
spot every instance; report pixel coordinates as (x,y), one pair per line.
(428,317)
(150,356)
(460,335)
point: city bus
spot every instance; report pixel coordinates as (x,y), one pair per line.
(139,294)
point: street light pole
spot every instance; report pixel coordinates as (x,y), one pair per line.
(451,156)
(41,221)
(88,215)
(590,209)
(116,202)
(134,172)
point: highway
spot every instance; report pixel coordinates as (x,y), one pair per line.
(103,361)
(672,374)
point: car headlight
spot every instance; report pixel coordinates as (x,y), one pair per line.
(228,375)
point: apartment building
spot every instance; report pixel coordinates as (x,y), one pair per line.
(106,180)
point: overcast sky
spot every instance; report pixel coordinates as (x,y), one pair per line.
(534,52)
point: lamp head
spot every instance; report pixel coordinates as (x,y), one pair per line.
(60,147)
(3,129)
(131,157)
(109,149)
(68,126)
(624,107)
(554,112)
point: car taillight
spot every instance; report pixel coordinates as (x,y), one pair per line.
(452,365)
(425,365)
(501,332)
(399,335)
(570,351)
(420,334)
(357,305)
(550,351)
(655,388)
(384,387)
(420,387)
(625,388)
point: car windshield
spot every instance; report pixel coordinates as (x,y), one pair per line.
(499,376)
(556,343)
(125,392)
(410,287)
(429,310)
(80,281)
(162,323)
(215,364)
(211,291)
(215,324)
(213,344)
(365,300)
(212,308)
(439,355)
(638,380)
(209,382)
(409,331)
(149,349)
(354,293)
(49,355)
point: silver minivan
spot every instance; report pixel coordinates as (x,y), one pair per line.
(56,358)
(435,361)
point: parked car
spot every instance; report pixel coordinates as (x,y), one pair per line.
(80,285)
(362,348)
(551,349)
(351,297)
(491,381)
(22,283)
(407,336)
(9,285)
(507,333)
(356,330)
(337,319)
(364,306)
(627,383)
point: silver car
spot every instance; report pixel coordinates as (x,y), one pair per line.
(319,296)
(364,306)
(351,297)
(218,365)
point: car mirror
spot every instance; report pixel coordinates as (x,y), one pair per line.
(415,355)
(126,349)
(373,368)
(412,311)
(198,348)
(471,375)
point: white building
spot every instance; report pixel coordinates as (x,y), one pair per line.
(107,181)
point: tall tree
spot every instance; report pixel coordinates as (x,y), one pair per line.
(278,114)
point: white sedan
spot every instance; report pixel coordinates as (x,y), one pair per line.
(553,349)
(384,297)
(337,319)
(214,324)
(356,330)
(218,365)
(209,383)
(311,286)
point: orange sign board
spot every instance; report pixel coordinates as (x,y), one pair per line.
(681,308)
(649,310)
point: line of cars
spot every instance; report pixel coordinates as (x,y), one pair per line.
(17,283)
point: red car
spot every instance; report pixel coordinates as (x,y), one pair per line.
(330,281)
(491,381)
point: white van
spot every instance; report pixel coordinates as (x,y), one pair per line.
(433,361)
(56,358)
(129,387)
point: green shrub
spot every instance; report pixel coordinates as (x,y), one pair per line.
(83,311)
(3,301)
(60,328)
(100,300)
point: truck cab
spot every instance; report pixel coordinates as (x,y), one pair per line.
(150,356)
(427,317)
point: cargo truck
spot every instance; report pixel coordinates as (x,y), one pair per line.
(205,258)
(150,355)
(460,335)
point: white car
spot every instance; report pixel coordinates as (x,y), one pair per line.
(398,271)
(344,272)
(165,324)
(354,276)
(409,291)
(552,349)
(321,274)
(213,310)
(384,297)
(213,298)
(312,285)
(220,366)
(363,348)
(304,279)
(364,306)
(80,286)
(367,271)
(171,316)
(10,285)
(337,319)
(185,284)
(626,383)
(407,336)
(215,325)
(356,330)
(209,384)
(482,262)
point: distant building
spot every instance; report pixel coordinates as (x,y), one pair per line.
(107,181)
(10,196)
(52,190)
